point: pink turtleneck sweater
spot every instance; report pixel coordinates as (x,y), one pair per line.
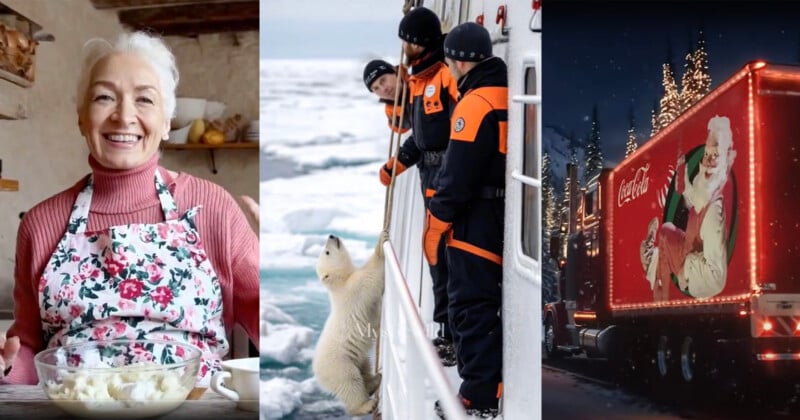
(124,197)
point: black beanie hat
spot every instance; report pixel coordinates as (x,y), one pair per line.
(375,69)
(468,42)
(422,27)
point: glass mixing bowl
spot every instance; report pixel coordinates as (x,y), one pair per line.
(120,378)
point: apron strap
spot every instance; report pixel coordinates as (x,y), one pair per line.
(168,204)
(79,218)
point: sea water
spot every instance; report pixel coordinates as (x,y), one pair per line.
(323,139)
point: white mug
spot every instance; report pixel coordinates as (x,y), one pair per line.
(242,384)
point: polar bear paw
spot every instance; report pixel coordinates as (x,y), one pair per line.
(366,408)
(379,246)
(373,384)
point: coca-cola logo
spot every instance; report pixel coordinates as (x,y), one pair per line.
(631,189)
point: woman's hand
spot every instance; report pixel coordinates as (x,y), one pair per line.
(8,352)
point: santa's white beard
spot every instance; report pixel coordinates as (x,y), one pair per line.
(704,188)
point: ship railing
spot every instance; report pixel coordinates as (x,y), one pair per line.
(413,376)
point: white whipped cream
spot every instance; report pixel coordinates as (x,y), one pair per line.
(91,393)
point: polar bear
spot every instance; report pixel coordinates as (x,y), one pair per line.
(341,361)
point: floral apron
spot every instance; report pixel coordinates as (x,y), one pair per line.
(137,281)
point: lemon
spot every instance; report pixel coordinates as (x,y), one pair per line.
(196,130)
(214,136)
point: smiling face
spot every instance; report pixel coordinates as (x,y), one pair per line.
(122,117)
(713,166)
(711,156)
(717,157)
(384,86)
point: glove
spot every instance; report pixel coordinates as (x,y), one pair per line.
(386,171)
(432,234)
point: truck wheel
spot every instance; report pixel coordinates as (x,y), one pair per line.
(689,360)
(550,346)
(664,357)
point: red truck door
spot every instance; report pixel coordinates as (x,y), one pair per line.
(589,298)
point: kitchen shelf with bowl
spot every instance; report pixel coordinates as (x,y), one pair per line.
(200,124)
(239,145)
(204,146)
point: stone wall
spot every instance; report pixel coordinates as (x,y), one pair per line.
(224,68)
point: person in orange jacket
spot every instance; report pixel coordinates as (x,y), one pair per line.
(380,77)
(432,98)
(469,208)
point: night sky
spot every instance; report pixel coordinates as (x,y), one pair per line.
(610,54)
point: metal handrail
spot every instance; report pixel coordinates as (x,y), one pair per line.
(413,377)
(527,99)
(533,182)
(409,363)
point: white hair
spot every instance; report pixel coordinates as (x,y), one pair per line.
(151,48)
(701,189)
(721,127)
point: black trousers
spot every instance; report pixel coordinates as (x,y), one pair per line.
(475,299)
(439,273)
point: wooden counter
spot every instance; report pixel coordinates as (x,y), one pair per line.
(29,401)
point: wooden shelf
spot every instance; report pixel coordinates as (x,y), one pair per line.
(9,185)
(13,78)
(242,145)
(203,146)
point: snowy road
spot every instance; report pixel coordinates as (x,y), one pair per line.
(566,395)
(581,388)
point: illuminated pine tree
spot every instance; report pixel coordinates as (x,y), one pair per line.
(548,203)
(564,207)
(565,197)
(669,106)
(594,152)
(654,119)
(631,144)
(573,149)
(689,93)
(702,79)
(573,160)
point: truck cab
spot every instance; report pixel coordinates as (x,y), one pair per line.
(574,317)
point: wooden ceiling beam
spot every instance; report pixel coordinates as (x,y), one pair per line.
(195,28)
(120,5)
(194,19)
(240,10)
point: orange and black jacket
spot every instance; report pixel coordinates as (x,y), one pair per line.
(432,97)
(471,184)
(393,111)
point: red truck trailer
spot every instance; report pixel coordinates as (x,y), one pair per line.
(684,260)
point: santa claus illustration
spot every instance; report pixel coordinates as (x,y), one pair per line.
(696,255)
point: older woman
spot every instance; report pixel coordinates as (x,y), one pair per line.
(132,250)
